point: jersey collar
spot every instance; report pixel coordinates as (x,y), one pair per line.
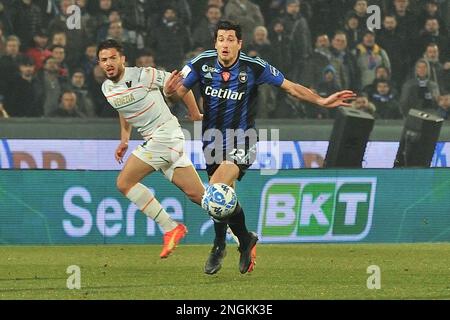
(230,67)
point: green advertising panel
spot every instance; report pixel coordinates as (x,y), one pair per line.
(308,205)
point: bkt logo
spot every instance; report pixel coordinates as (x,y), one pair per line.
(317,209)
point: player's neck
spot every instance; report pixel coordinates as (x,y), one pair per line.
(229,63)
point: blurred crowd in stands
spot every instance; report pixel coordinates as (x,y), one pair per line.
(50,70)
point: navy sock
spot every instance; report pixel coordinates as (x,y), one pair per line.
(237,225)
(220,229)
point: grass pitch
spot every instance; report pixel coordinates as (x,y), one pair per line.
(300,271)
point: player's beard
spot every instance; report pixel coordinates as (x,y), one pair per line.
(117,77)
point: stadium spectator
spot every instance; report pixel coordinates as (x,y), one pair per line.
(49,9)
(59,54)
(320,58)
(406,19)
(89,59)
(431,56)
(344,62)
(76,37)
(182,8)
(431,10)
(59,38)
(24,97)
(362,103)
(88,23)
(134,17)
(116,32)
(26,19)
(260,44)
(443,109)
(51,86)
(8,63)
(381,73)
(385,101)
(39,51)
(353,30)
(171,40)
(369,55)
(78,86)
(102,32)
(300,35)
(280,51)
(432,34)
(359,11)
(419,92)
(68,107)
(203,35)
(396,47)
(145,58)
(102,15)
(326,86)
(247,14)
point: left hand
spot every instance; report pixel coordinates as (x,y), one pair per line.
(173,83)
(197,117)
(338,99)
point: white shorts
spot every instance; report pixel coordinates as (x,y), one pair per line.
(165,149)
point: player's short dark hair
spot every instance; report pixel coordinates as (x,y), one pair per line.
(110,44)
(228,25)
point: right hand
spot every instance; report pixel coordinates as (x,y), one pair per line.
(120,152)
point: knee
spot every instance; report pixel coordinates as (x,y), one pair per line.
(123,185)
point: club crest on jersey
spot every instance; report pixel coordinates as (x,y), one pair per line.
(243,77)
(128,83)
(226,76)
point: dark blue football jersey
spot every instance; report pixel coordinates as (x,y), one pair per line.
(229,94)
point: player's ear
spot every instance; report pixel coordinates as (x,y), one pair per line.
(240,44)
(122,59)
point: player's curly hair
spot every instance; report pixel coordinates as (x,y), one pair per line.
(109,44)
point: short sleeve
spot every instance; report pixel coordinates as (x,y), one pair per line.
(270,75)
(190,76)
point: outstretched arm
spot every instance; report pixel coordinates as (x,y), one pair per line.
(302,93)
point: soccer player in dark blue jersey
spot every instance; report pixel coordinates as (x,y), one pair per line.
(228,81)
